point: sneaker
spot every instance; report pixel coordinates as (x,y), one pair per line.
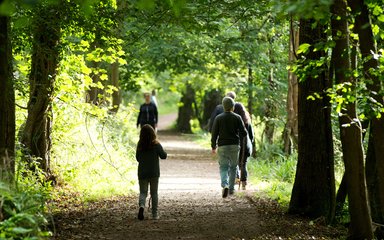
(140,216)
(225,192)
(243,185)
(231,192)
(155,217)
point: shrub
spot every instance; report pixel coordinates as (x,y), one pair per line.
(23,206)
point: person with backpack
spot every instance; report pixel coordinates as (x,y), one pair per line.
(148,152)
(227,131)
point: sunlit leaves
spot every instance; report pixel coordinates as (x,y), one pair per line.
(303,48)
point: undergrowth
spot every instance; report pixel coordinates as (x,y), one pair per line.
(272,172)
(23,205)
(95,154)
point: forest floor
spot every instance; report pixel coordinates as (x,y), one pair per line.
(190,207)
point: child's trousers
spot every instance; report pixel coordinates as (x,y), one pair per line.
(154,184)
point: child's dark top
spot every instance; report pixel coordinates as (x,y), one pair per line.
(149,166)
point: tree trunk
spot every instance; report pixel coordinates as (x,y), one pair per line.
(290,135)
(186,110)
(211,100)
(375,152)
(115,74)
(250,91)
(341,196)
(350,129)
(270,112)
(116,96)
(94,92)
(7,104)
(45,58)
(313,193)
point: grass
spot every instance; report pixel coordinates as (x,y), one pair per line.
(273,178)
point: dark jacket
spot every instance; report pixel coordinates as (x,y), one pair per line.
(247,144)
(148,114)
(239,109)
(228,128)
(149,166)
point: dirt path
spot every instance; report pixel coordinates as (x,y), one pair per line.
(190,207)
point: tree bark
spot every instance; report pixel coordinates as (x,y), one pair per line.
(211,100)
(341,196)
(375,152)
(270,112)
(350,129)
(116,96)
(186,110)
(7,104)
(250,91)
(115,74)
(45,58)
(94,92)
(313,193)
(290,135)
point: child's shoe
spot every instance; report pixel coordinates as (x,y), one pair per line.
(244,185)
(140,216)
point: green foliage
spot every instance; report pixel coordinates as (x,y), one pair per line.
(272,173)
(96,155)
(93,150)
(318,9)
(23,211)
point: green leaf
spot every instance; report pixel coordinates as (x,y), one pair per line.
(86,70)
(303,48)
(381,18)
(104,77)
(311,98)
(21,230)
(122,61)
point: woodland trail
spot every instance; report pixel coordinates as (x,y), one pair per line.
(190,207)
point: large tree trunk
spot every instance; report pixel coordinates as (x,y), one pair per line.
(211,100)
(313,193)
(375,153)
(7,103)
(45,58)
(186,110)
(350,129)
(290,135)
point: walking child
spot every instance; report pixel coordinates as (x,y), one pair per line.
(148,152)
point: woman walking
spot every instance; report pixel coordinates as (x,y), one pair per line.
(148,113)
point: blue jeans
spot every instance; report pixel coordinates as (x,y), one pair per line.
(154,183)
(228,159)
